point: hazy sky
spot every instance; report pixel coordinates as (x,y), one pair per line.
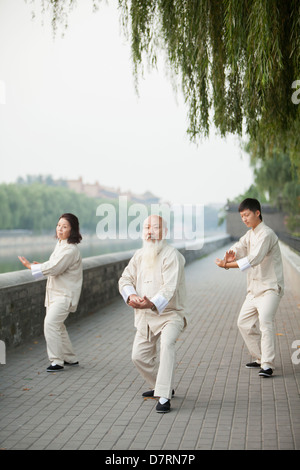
(69,109)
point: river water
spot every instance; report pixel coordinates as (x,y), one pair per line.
(40,248)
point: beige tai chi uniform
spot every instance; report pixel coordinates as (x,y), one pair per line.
(164,285)
(258,253)
(64,271)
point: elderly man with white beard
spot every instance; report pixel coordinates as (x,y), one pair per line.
(153,284)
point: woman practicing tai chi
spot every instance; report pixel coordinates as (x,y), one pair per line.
(64,272)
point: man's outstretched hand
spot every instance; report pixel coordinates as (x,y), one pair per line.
(229,256)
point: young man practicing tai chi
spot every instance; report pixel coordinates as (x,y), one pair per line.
(258,253)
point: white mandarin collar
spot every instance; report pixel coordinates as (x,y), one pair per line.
(62,242)
(258,228)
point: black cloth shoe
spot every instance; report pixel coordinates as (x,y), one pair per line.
(54,368)
(265,373)
(252,365)
(150,394)
(165,408)
(71,363)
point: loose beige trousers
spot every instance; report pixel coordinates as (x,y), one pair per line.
(256,323)
(59,347)
(144,352)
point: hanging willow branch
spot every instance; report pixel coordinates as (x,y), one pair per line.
(236,61)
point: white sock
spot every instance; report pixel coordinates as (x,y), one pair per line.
(163,400)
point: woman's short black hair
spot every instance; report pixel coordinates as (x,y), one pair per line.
(252,204)
(75,236)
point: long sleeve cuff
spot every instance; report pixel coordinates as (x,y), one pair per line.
(243,264)
(127,291)
(160,302)
(37,271)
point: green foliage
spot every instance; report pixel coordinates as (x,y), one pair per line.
(291,204)
(37,207)
(252,192)
(236,61)
(276,183)
(271,176)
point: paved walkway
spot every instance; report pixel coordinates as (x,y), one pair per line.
(219,404)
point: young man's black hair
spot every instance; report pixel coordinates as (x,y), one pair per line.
(252,204)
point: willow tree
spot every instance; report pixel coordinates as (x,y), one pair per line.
(237,62)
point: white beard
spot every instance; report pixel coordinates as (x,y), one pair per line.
(150,252)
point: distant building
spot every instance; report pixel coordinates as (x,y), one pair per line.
(96,190)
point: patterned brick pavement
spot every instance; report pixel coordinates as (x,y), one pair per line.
(219,404)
